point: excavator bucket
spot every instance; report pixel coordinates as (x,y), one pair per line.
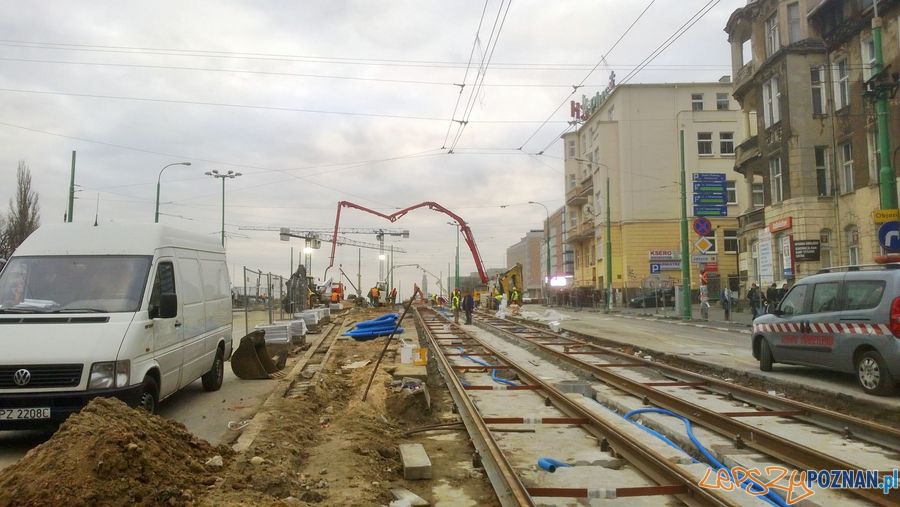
(251,360)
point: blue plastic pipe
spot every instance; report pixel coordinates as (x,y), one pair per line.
(494,376)
(550,464)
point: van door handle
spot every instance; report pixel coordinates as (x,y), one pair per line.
(177,324)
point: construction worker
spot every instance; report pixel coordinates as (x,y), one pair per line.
(514,298)
(476,296)
(373,296)
(393,295)
(468,306)
(498,297)
(454,305)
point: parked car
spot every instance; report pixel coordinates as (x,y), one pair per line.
(132,311)
(653,298)
(843,319)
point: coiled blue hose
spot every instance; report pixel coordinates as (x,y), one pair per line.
(771,497)
(494,376)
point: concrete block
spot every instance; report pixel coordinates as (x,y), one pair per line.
(411,371)
(416,464)
(407,496)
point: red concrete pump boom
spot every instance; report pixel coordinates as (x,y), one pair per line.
(463,228)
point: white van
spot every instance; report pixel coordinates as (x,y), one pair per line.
(134,311)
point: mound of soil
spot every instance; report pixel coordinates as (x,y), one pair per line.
(110,453)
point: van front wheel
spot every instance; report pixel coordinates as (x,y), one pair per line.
(873,374)
(149,400)
(212,380)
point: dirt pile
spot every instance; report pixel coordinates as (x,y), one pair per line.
(112,454)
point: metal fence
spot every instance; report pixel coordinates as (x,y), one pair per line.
(260,291)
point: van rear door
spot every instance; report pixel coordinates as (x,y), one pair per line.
(168,332)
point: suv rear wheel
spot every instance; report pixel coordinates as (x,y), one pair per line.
(873,375)
(765,356)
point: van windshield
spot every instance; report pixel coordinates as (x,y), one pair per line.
(73,284)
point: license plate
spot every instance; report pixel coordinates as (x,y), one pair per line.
(14,414)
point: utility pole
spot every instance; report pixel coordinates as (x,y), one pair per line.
(71,190)
(887,179)
(359,274)
(608,247)
(392,269)
(685,251)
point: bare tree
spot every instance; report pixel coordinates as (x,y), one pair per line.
(24,213)
(4,254)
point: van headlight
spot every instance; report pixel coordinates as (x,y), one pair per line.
(109,374)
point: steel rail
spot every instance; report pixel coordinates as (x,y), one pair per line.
(849,426)
(786,450)
(507,486)
(638,453)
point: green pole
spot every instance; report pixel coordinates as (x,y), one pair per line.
(685,251)
(223,212)
(608,247)
(887,180)
(71,190)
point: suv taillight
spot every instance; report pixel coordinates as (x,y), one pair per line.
(895,317)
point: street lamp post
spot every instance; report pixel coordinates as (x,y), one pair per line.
(307,262)
(222,176)
(158,178)
(547,278)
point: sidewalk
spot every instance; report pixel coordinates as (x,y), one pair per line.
(716,317)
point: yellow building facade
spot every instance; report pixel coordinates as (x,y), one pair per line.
(628,141)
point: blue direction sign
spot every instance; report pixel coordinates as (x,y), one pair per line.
(889,236)
(711,198)
(709,177)
(701,186)
(711,211)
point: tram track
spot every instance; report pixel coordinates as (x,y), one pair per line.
(662,475)
(603,363)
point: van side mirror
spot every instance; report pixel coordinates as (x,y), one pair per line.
(168,305)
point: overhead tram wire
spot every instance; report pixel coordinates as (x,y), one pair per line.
(482,71)
(465,75)
(671,39)
(579,85)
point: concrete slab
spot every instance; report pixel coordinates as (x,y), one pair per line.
(409,370)
(416,464)
(407,496)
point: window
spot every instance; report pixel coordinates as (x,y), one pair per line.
(571,145)
(868,57)
(823,176)
(846,167)
(696,102)
(571,181)
(731,241)
(573,219)
(872,155)
(792,304)
(852,245)
(713,249)
(842,84)
(704,143)
(726,143)
(776,179)
(773,41)
(771,102)
(758,194)
(817,83)
(793,15)
(164,283)
(863,294)
(825,297)
(722,101)
(731,192)
(825,248)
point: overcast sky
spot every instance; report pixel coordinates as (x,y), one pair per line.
(318,102)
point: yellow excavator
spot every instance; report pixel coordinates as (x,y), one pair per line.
(509,279)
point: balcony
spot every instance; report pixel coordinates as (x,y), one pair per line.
(753,219)
(578,195)
(746,152)
(744,77)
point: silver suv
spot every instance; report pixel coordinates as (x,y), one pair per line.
(845,319)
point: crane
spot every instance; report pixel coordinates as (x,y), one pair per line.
(315,236)
(463,228)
